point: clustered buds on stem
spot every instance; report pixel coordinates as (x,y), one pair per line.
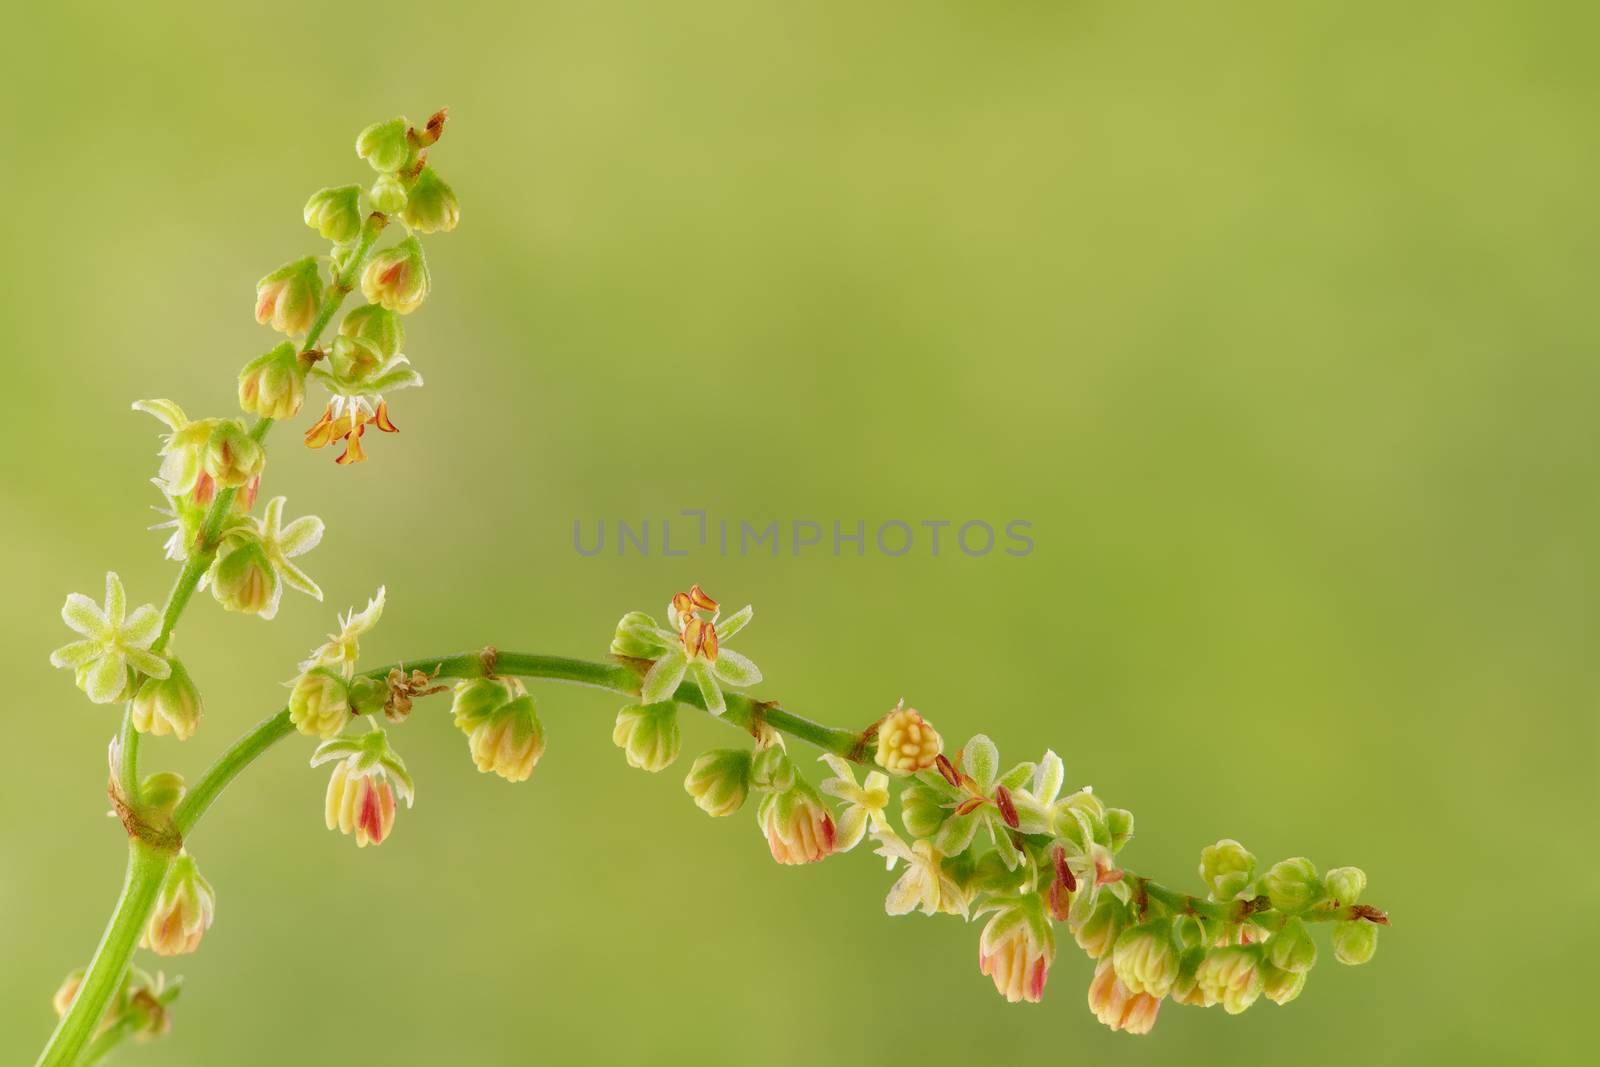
(502,726)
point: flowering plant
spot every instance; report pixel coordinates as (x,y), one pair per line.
(971,837)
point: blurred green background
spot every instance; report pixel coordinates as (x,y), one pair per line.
(1276,320)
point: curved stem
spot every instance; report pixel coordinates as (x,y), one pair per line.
(146,870)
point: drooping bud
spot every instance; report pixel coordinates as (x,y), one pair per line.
(1226,868)
(232,457)
(169,705)
(388,193)
(906,742)
(1292,948)
(144,1000)
(397,277)
(1186,987)
(242,578)
(1292,885)
(363,785)
(352,361)
(506,738)
(1119,1007)
(639,637)
(432,206)
(288,299)
(1146,958)
(797,825)
(319,703)
(1280,986)
(1231,976)
(649,735)
(1355,941)
(1097,934)
(183,911)
(1016,948)
(273,385)
(771,769)
(335,213)
(384,145)
(1346,884)
(379,327)
(719,781)
(1119,822)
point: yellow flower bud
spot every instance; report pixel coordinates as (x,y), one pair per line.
(319,703)
(907,743)
(719,781)
(506,740)
(169,705)
(797,826)
(1117,1006)
(397,277)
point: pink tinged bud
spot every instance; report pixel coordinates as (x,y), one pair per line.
(289,297)
(797,826)
(360,802)
(1016,949)
(1118,1007)
(397,278)
(183,911)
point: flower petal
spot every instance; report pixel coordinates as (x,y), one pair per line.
(116,601)
(1048,777)
(851,827)
(736,670)
(299,579)
(664,677)
(84,616)
(141,628)
(300,536)
(76,654)
(165,410)
(726,628)
(709,689)
(105,678)
(146,662)
(272,517)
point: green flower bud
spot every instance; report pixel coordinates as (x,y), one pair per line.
(368,695)
(771,770)
(319,703)
(397,277)
(273,385)
(162,791)
(719,781)
(1281,986)
(1097,934)
(1231,977)
(1226,868)
(335,213)
(638,637)
(1146,958)
(384,145)
(648,735)
(288,299)
(476,699)
(388,193)
(1354,941)
(169,705)
(379,327)
(353,361)
(508,741)
(1292,948)
(1186,986)
(922,810)
(432,206)
(1292,885)
(1346,884)
(242,578)
(232,457)
(1119,823)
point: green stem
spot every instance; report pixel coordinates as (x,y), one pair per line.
(146,870)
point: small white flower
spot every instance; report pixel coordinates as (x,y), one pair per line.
(925,886)
(863,804)
(342,648)
(114,643)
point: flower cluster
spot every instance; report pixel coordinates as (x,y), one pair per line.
(1012,843)
(209,472)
